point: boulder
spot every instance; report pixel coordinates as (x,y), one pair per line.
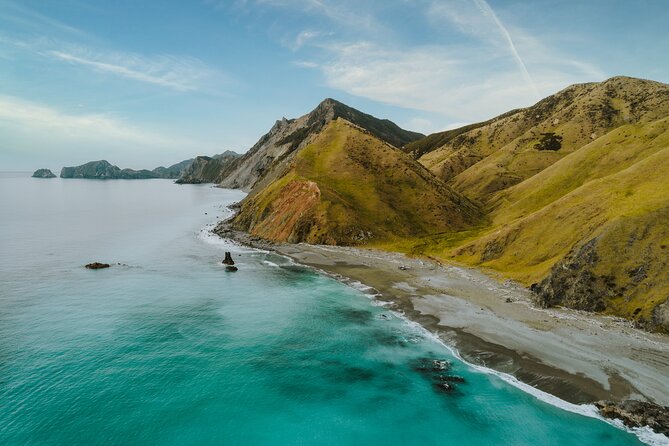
(231,268)
(97,265)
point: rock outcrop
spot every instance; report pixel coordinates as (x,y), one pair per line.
(43,173)
(97,265)
(637,414)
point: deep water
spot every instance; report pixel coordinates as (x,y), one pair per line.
(169,348)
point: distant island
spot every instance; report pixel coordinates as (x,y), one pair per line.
(104,170)
(43,173)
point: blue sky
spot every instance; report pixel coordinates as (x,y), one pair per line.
(144,83)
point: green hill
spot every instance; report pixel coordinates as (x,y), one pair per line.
(349,187)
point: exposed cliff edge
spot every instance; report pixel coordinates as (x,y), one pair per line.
(205,169)
(43,173)
(103,170)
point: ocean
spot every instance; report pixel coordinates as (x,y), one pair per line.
(167,348)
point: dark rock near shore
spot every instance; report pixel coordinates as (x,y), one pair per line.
(43,173)
(97,265)
(228,259)
(637,414)
(231,268)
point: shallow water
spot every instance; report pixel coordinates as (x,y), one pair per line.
(168,348)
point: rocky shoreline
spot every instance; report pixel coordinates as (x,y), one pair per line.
(578,357)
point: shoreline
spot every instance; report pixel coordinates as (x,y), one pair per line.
(578,357)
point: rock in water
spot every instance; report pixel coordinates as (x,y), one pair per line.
(43,173)
(231,268)
(228,259)
(637,413)
(97,265)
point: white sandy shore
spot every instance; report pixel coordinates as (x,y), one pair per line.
(577,356)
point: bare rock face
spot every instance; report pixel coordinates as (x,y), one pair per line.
(637,414)
(43,173)
(97,265)
(573,284)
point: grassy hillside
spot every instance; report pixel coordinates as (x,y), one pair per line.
(501,153)
(585,226)
(348,187)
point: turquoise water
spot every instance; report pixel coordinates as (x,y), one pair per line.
(168,348)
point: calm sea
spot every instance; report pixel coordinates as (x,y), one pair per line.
(167,348)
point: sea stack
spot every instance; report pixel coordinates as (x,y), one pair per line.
(228,259)
(43,173)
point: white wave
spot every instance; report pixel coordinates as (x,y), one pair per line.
(272,264)
(644,434)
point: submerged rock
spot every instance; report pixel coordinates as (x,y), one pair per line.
(43,173)
(231,268)
(637,414)
(97,265)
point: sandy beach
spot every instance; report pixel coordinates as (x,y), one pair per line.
(577,356)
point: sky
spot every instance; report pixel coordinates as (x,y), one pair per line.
(144,83)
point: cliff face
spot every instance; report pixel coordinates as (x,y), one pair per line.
(205,169)
(289,136)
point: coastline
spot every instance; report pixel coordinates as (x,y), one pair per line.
(578,357)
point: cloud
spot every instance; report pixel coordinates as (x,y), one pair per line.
(487,11)
(457,82)
(180,74)
(17,14)
(474,72)
(29,130)
(177,73)
(30,116)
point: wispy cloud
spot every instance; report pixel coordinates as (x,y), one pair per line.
(443,79)
(486,10)
(177,73)
(31,130)
(481,75)
(28,19)
(28,115)
(181,74)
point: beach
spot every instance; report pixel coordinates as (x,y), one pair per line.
(577,356)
